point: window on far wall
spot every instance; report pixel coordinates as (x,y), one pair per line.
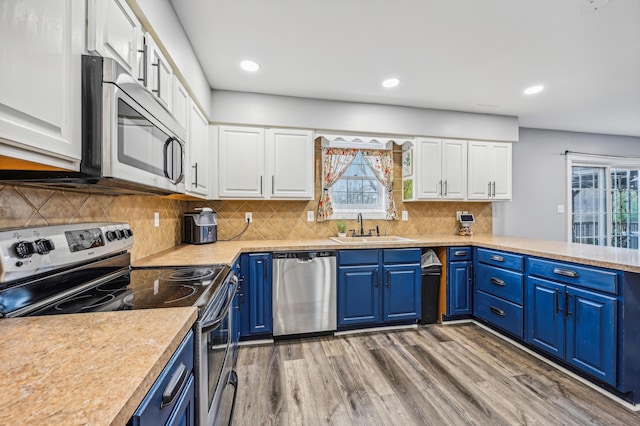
(604,201)
(358,191)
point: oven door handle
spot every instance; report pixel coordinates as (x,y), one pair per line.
(215,323)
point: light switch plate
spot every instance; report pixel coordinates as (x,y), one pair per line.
(405,215)
(156,219)
(310,216)
(560,208)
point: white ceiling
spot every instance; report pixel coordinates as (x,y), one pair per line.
(464,55)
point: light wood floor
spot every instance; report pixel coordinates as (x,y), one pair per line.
(432,375)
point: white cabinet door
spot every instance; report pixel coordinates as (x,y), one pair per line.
(198,167)
(159,73)
(114,31)
(290,164)
(441,169)
(429,168)
(40,81)
(181,100)
(454,169)
(489,171)
(241,162)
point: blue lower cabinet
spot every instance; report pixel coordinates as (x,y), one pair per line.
(459,282)
(170,401)
(254,298)
(575,325)
(402,297)
(386,290)
(358,295)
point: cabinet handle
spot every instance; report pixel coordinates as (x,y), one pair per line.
(497,281)
(440,188)
(144,65)
(567,299)
(565,272)
(172,390)
(494,189)
(489,194)
(460,253)
(497,311)
(376,278)
(157,91)
(195,166)
(261,186)
(496,258)
(273,184)
(445,188)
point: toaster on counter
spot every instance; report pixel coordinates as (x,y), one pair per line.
(200,227)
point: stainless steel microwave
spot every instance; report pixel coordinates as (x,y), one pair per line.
(130,142)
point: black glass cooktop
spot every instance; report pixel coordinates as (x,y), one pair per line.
(134,289)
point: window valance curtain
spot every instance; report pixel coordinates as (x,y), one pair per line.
(335,162)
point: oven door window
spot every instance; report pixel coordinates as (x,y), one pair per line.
(217,346)
(144,146)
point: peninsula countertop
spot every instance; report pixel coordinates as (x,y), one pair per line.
(225,252)
(85,369)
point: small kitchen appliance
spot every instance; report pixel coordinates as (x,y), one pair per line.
(84,268)
(464,227)
(200,227)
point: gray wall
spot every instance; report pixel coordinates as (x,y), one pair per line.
(284,111)
(539,180)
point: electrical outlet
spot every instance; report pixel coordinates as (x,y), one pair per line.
(405,215)
(156,219)
(458,213)
(560,208)
(310,216)
(248,217)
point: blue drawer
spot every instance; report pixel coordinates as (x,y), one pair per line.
(592,278)
(499,312)
(151,412)
(411,255)
(503,283)
(458,253)
(357,257)
(500,259)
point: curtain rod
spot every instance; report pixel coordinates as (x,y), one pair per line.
(594,155)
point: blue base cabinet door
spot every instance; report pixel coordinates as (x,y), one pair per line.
(459,289)
(591,333)
(359,295)
(544,316)
(402,292)
(260,315)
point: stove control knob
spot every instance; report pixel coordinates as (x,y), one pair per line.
(24,249)
(111,235)
(127,233)
(44,246)
(118,234)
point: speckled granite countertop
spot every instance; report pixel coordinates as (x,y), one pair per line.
(85,369)
(227,252)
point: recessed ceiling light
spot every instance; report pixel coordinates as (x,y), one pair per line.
(251,66)
(533,90)
(391,82)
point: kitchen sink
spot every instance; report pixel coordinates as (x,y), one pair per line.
(371,239)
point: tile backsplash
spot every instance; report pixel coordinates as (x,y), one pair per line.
(25,206)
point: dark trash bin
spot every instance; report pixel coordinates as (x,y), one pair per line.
(431,269)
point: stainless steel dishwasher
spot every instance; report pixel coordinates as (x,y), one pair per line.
(304,292)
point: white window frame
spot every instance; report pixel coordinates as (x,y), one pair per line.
(588,160)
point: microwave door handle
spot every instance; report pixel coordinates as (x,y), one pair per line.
(215,323)
(167,145)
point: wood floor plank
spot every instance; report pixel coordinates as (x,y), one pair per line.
(440,375)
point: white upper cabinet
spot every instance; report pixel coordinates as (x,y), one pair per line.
(159,74)
(113,31)
(489,171)
(40,81)
(265,164)
(197,172)
(181,103)
(241,162)
(441,169)
(290,163)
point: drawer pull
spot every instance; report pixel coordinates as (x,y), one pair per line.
(565,272)
(460,253)
(496,258)
(497,281)
(174,386)
(497,311)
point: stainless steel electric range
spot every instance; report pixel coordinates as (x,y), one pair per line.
(84,268)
